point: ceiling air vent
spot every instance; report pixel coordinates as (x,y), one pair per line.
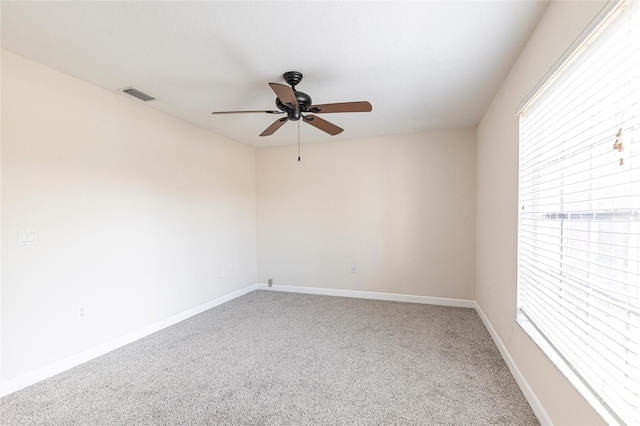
(138,94)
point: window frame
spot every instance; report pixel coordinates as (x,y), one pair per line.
(608,13)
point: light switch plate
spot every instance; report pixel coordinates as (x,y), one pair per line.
(27,237)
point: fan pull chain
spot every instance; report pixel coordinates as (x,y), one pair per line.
(298,140)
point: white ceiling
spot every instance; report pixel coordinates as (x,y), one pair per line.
(422,65)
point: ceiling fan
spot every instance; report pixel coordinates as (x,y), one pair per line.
(297,105)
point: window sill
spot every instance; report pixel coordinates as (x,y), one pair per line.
(566,370)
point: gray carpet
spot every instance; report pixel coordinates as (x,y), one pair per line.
(280,358)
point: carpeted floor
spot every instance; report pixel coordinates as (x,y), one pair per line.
(282,358)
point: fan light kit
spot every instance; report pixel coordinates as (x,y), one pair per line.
(297,105)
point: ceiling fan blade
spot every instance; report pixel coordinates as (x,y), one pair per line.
(362,106)
(245,112)
(275,126)
(323,125)
(285,94)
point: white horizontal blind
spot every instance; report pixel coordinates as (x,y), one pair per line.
(579,224)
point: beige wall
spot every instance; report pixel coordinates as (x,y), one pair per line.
(136,212)
(401,208)
(497,191)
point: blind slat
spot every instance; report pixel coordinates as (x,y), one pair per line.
(582,349)
(547,279)
(549,263)
(568,273)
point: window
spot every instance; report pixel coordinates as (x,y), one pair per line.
(579,213)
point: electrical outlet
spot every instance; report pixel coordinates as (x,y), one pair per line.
(354,269)
(229,272)
(82,312)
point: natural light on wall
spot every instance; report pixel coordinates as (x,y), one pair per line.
(579,221)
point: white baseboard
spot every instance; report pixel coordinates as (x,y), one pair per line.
(394,297)
(531,397)
(33,377)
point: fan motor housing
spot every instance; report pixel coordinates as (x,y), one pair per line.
(304,101)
